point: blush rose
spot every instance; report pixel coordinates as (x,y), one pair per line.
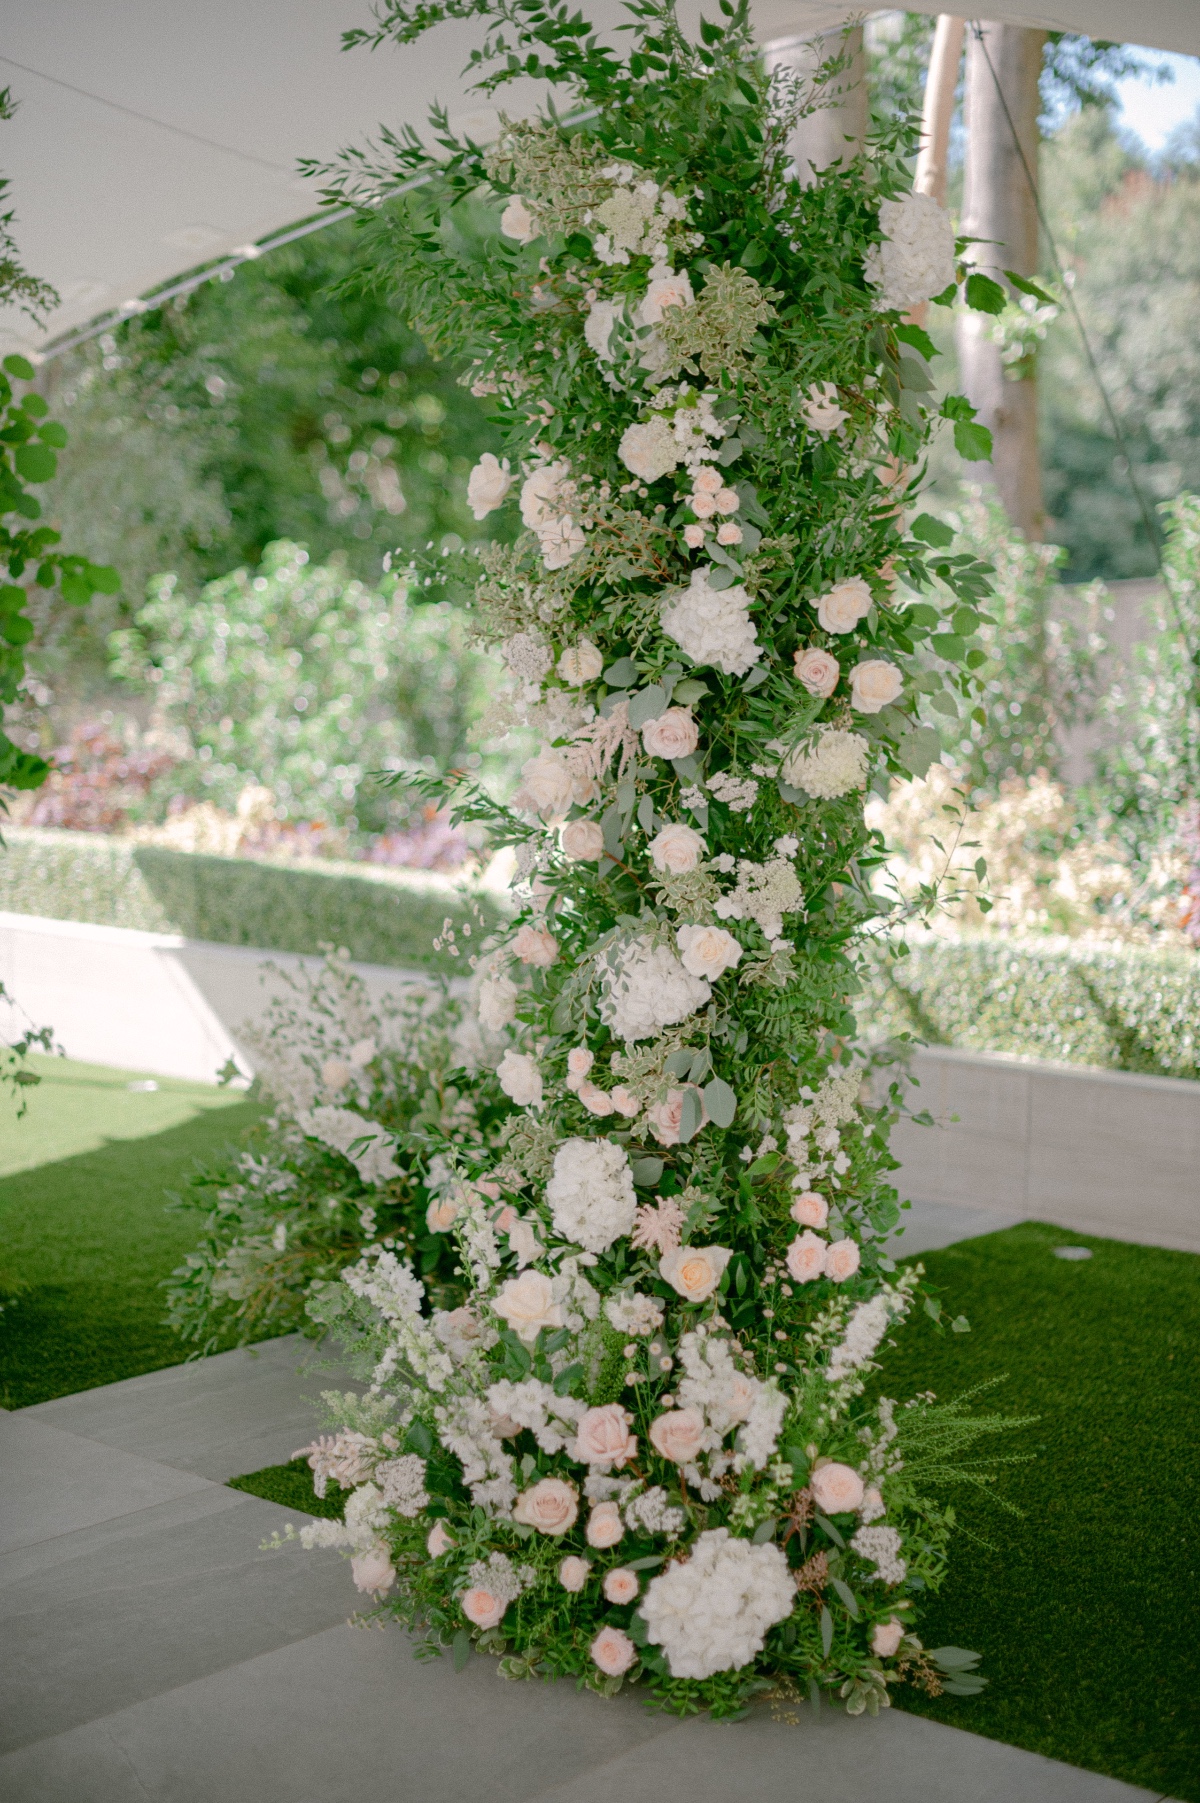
(603,1436)
(551,1506)
(613,1652)
(695,1271)
(678,1435)
(819,671)
(673,735)
(837,1489)
(605,1526)
(844,606)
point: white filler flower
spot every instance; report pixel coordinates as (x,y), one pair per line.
(590,1196)
(835,766)
(712,625)
(712,1614)
(916,259)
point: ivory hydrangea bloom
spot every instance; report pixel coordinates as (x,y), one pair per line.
(649,450)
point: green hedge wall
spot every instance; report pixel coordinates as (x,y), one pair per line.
(1128,1007)
(383,917)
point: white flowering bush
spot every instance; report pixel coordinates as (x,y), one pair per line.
(648,1439)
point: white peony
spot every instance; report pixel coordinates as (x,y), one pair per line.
(916,259)
(649,449)
(542,494)
(488,485)
(837,764)
(648,990)
(597,327)
(518,222)
(497,1003)
(547,786)
(561,540)
(874,684)
(712,1614)
(712,625)
(520,1079)
(590,1196)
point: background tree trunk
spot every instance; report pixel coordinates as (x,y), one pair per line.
(998,204)
(820,140)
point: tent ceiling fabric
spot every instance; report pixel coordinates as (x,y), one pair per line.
(157,135)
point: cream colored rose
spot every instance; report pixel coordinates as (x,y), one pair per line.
(728,500)
(693,536)
(649,450)
(579,1063)
(482,1607)
(561,540)
(603,1436)
(707,481)
(806,1258)
(605,1526)
(536,946)
(488,485)
(886,1638)
(518,222)
(677,848)
(874,685)
(373,1570)
(620,1584)
(551,1506)
(597,328)
(678,1435)
(441,1214)
(573,1574)
(547,787)
(527,1304)
(729,534)
(665,290)
(704,505)
(497,1003)
(438,1540)
(837,1489)
(596,1100)
(695,1271)
(707,951)
(810,1209)
(580,663)
(673,735)
(844,606)
(819,671)
(542,496)
(841,1260)
(613,1652)
(583,841)
(625,1102)
(520,1079)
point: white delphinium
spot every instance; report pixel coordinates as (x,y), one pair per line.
(551,1419)
(365,1518)
(763,893)
(402,1481)
(882,1547)
(836,765)
(866,1327)
(757,1440)
(465,1428)
(590,1195)
(712,1614)
(390,1287)
(368,1147)
(916,259)
(648,989)
(712,625)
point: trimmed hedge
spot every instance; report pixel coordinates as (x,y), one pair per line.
(1121,1007)
(381,916)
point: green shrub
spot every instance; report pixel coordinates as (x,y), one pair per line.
(1122,1007)
(382,916)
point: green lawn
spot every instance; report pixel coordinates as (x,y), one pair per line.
(85,1237)
(1086,1610)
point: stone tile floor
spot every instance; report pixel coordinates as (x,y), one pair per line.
(150,1653)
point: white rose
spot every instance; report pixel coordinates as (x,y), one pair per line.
(547,785)
(583,841)
(844,606)
(581,663)
(597,328)
(561,540)
(497,1003)
(677,848)
(527,1304)
(649,450)
(518,222)
(874,684)
(819,671)
(695,1271)
(488,485)
(666,289)
(520,1079)
(672,735)
(707,951)
(542,494)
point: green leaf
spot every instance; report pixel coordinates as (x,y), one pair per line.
(647,704)
(931,531)
(847,1595)
(954,1658)
(689,691)
(721,1102)
(104,578)
(914,376)
(1024,286)
(460,1650)
(36,407)
(764,1531)
(826,1630)
(77,590)
(16,628)
(20,367)
(649,1563)
(972,442)
(419,1439)
(947,297)
(756,676)
(918,748)
(826,1526)
(566,1379)
(35,462)
(919,339)
(689,1125)
(639,1628)
(984,295)
(647,1171)
(621,674)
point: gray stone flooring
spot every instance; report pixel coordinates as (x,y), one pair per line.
(150,1653)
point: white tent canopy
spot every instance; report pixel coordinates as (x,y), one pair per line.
(157,135)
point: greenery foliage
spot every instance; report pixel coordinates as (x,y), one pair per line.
(380,916)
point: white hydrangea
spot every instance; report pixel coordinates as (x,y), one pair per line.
(648,989)
(916,259)
(763,893)
(403,1484)
(368,1146)
(550,1419)
(836,765)
(590,1195)
(712,625)
(882,1547)
(712,1614)
(648,449)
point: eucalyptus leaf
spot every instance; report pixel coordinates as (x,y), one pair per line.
(647,704)
(689,1125)
(764,1531)
(721,1102)
(460,1650)
(622,674)
(647,1171)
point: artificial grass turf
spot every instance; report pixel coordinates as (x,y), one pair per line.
(85,1234)
(291,1486)
(1085,1611)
